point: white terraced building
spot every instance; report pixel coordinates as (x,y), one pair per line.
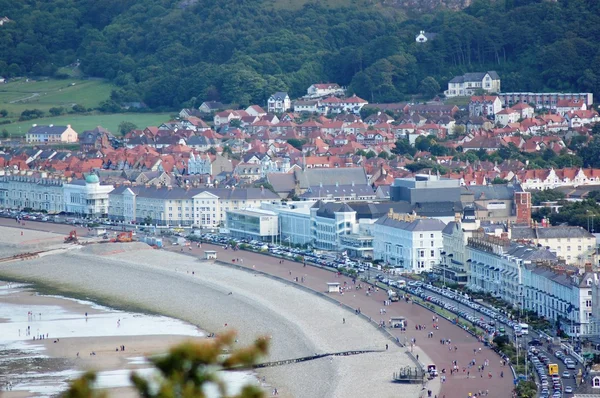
(559,293)
(496,265)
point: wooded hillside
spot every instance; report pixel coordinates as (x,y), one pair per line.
(172,54)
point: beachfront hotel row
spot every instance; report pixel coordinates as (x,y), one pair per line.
(481,237)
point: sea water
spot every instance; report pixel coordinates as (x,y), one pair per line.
(58,322)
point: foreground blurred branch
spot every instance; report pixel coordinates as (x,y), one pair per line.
(187,370)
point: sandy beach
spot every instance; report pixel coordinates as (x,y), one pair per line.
(299,323)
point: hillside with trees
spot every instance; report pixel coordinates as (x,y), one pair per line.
(171,54)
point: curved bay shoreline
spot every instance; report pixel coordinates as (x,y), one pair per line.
(298,322)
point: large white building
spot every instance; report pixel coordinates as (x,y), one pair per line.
(40,192)
(202,207)
(408,242)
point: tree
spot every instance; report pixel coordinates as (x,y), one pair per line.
(56,111)
(429,87)
(5,134)
(148,220)
(370,154)
(383,155)
(499,181)
(126,127)
(79,108)
(547,195)
(3,112)
(235,123)
(589,153)
(423,143)
(296,143)
(403,147)
(187,370)
(29,114)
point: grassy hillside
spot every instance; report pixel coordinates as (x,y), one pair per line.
(23,94)
(81,123)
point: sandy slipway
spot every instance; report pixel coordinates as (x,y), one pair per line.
(299,323)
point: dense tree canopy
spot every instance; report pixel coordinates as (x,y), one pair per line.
(167,52)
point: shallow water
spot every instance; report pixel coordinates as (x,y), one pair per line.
(23,362)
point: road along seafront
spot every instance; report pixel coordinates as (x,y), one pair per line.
(219,298)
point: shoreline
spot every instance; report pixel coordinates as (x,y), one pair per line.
(72,330)
(299,323)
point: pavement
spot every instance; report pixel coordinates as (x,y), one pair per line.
(456,386)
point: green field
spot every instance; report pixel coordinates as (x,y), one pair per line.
(81,123)
(19,95)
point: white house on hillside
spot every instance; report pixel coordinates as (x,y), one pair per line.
(423,36)
(469,83)
(279,102)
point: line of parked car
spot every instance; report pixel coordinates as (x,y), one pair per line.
(551,383)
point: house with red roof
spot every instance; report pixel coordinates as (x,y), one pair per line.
(525,110)
(507,116)
(255,110)
(227,116)
(563,106)
(582,117)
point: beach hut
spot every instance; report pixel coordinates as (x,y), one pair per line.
(333,287)
(210,254)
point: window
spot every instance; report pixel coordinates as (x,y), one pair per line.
(432,253)
(597,382)
(422,253)
(588,303)
(431,236)
(431,243)
(421,236)
(579,248)
(568,248)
